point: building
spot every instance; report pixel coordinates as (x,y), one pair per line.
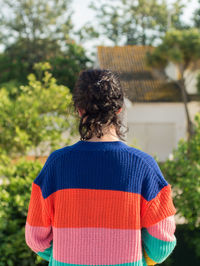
(154,112)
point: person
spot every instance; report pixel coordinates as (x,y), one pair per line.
(100,201)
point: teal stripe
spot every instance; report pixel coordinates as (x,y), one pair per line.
(46,254)
(158,250)
(142,262)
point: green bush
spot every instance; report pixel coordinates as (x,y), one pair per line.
(14,196)
(30,116)
(36,115)
(183,172)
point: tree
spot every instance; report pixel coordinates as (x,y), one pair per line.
(37,116)
(36,31)
(183,49)
(139,22)
(197,16)
(36,22)
(66,67)
(15,63)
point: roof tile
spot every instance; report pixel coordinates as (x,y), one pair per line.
(137,79)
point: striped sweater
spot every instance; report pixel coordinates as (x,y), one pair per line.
(101,203)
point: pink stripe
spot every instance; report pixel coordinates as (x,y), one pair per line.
(38,238)
(96,245)
(164,230)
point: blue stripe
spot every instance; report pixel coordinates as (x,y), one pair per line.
(158,250)
(128,170)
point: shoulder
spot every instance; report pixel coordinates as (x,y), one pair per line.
(152,178)
(46,176)
(145,158)
(57,154)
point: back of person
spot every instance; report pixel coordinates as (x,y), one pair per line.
(101,203)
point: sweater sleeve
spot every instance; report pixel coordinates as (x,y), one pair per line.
(157,217)
(38,229)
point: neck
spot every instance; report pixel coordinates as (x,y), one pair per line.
(110,135)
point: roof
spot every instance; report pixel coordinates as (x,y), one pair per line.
(138,80)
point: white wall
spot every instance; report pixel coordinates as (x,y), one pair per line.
(157,127)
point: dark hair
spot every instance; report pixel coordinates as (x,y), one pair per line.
(99,93)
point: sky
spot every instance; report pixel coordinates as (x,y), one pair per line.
(83,14)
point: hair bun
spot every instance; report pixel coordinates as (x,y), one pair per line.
(99,93)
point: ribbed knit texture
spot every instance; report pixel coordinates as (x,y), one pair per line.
(101,203)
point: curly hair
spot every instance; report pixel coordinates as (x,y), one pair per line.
(99,93)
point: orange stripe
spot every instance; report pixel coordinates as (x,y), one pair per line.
(98,208)
(36,212)
(95,208)
(159,208)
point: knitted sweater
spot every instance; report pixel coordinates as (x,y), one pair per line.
(101,203)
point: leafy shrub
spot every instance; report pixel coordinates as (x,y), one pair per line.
(15,195)
(183,172)
(37,115)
